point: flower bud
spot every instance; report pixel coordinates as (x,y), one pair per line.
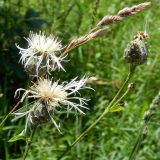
(132,86)
(137,51)
(121,103)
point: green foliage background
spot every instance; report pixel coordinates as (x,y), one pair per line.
(113,138)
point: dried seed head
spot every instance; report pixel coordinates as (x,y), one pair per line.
(137,51)
(48,96)
(42,52)
(39,113)
(125,12)
(133,10)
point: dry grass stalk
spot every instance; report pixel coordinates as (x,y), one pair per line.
(106,20)
(110,19)
(123,14)
(133,10)
(83,39)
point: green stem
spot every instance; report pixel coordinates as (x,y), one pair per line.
(112,103)
(118,100)
(155,103)
(29,141)
(138,142)
(7,116)
(139,139)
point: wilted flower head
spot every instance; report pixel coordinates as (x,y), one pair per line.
(41,54)
(137,52)
(48,96)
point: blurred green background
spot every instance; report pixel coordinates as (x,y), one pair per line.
(113,138)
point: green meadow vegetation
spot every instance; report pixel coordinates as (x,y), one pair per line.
(131,126)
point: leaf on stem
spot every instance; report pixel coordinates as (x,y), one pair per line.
(21,136)
(116,108)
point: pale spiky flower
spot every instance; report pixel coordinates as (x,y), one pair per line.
(48,96)
(42,53)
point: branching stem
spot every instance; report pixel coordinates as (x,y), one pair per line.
(112,103)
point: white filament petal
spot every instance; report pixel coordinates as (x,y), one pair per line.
(43,51)
(54,95)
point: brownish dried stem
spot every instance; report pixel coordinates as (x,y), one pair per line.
(6,117)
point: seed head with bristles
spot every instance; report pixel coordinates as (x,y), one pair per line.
(42,53)
(137,52)
(48,96)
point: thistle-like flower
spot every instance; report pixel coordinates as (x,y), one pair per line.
(41,54)
(47,96)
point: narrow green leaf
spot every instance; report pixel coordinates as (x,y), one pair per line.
(21,136)
(116,109)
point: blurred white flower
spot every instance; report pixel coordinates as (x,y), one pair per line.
(42,51)
(48,96)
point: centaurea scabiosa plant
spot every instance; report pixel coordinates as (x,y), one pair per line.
(43,55)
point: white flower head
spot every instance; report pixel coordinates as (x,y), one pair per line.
(49,95)
(42,52)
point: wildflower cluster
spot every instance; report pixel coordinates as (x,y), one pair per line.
(43,55)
